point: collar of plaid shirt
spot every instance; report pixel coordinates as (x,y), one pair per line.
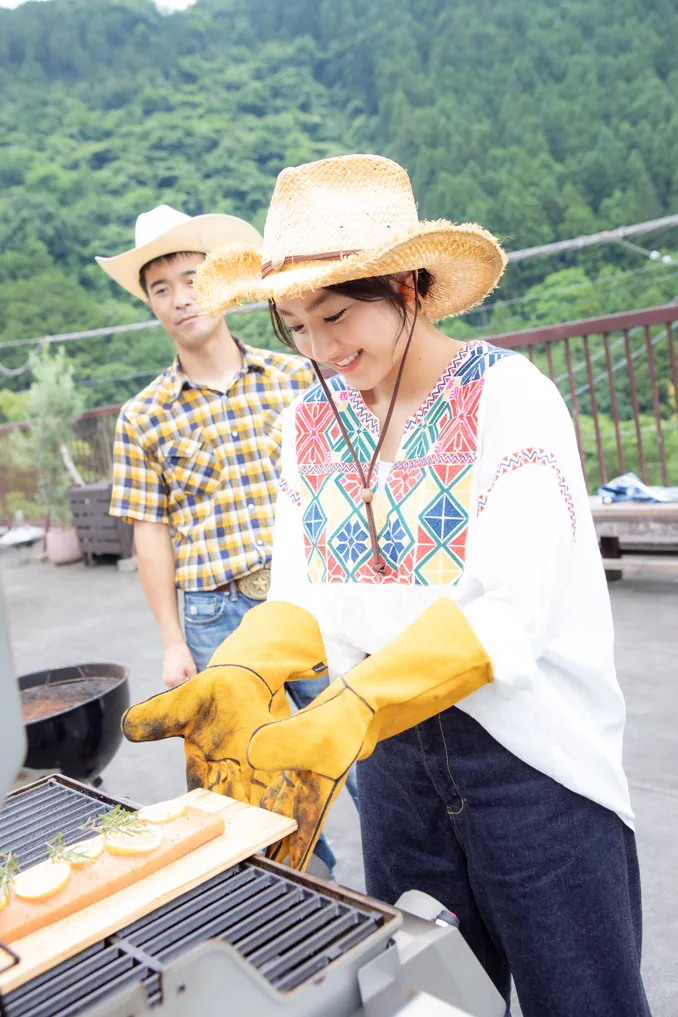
(177,381)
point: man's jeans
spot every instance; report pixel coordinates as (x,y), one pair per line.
(208,619)
(544,881)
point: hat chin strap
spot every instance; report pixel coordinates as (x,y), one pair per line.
(378,563)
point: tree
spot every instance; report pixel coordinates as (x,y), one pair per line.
(53,407)
(541,121)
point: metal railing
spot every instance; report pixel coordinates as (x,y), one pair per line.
(618,375)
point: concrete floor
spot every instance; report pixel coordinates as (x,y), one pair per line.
(77,615)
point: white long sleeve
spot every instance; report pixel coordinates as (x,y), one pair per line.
(520,549)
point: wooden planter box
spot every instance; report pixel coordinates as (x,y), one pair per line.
(98,532)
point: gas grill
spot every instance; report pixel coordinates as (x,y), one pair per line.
(257,940)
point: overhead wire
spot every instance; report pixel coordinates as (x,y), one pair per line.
(618,235)
(95,333)
(15,372)
(91,333)
(556,291)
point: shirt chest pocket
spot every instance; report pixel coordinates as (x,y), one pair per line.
(189,466)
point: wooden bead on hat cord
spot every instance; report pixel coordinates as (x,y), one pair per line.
(367,495)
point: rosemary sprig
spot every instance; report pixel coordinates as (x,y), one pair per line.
(9,868)
(118,820)
(59,851)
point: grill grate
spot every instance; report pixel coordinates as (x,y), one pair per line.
(31,818)
(284,929)
(77,984)
(288,930)
(41,701)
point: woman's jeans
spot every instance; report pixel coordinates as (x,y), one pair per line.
(209,617)
(544,881)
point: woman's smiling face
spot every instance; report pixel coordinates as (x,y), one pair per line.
(360,339)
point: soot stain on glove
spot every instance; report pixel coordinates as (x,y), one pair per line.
(150,729)
(213,783)
(205,715)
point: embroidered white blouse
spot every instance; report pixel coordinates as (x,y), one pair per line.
(485,503)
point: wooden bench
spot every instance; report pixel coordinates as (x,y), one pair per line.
(637,537)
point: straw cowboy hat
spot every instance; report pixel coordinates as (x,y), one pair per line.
(345,218)
(163,231)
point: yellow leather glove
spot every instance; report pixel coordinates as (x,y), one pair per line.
(434,663)
(306,797)
(216,712)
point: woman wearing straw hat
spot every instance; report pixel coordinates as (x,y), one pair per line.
(433,536)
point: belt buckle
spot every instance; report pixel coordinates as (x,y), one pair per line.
(256,585)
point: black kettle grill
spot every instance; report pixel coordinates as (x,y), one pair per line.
(72,718)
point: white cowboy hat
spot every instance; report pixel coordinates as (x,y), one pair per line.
(163,230)
(351,217)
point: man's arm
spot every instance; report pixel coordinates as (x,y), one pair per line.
(155,557)
(140,497)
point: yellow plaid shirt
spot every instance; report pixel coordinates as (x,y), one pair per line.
(207,464)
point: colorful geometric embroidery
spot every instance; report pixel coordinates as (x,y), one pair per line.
(422,511)
(530,456)
(286,489)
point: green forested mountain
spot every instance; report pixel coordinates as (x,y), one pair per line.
(540,119)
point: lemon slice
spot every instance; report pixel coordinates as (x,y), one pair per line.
(141,843)
(4,899)
(88,850)
(163,812)
(42,880)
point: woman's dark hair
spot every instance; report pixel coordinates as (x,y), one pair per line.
(378,287)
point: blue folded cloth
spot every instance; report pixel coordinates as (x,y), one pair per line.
(631,488)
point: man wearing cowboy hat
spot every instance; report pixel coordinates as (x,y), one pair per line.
(196,452)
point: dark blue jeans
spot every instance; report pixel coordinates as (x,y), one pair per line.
(208,619)
(544,882)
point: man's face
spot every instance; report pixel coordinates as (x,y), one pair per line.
(171,297)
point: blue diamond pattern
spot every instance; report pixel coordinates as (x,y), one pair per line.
(444,518)
(314,520)
(351,541)
(393,540)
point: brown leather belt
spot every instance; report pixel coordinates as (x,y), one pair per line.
(255,585)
